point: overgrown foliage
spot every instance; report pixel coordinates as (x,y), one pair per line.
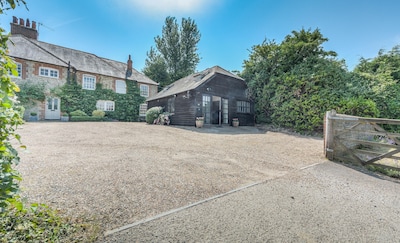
(10,118)
(39,223)
(295,82)
(153,113)
(126,105)
(30,92)
(176,55)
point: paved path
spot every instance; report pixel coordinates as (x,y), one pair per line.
(327,202)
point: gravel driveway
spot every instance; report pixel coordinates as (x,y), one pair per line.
(120,173)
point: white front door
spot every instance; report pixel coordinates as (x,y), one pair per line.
(52,108)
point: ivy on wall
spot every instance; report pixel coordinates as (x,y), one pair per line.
(126,105)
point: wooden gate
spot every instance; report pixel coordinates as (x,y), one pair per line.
(361,140)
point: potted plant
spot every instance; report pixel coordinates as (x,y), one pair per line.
(33,116)
(199,121)
(65,117)
(235,122)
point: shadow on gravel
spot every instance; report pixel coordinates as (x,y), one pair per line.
(224,129)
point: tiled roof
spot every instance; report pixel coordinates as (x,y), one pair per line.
(191,82)
(39,51)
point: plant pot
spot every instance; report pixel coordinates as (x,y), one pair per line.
(65,118)
(33,118)
(235,123)
(199,121)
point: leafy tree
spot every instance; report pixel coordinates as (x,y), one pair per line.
(10,118)
(156,68)
(176,53)
(382,76)
(295,82)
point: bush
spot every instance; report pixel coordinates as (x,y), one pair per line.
(98,113)
(39,223)
(153,114)
(86,118)
(358,107)
(78,113)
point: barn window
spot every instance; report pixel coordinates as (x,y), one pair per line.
(243,106)
(105,105)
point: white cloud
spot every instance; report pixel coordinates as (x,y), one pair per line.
(171,6)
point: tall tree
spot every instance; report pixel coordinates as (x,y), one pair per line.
(176,51)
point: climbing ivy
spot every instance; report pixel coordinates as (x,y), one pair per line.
(126,105)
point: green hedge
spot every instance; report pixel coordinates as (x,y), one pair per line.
(86,118)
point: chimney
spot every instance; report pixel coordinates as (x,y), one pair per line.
(129,67)
(22,29)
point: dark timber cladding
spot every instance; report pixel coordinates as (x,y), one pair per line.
(215,94)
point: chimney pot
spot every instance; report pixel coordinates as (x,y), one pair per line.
(15,20)
(28,23)
(21,21)
(34,25)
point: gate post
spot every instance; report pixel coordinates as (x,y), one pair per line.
(328,134)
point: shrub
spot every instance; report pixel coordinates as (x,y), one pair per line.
(86,118)
(358,107)
(98,113)
(153,114)
(78,113)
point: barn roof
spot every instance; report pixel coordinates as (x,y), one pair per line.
(192,81)
(34,50)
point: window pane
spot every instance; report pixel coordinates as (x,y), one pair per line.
(120,87)
(144,90)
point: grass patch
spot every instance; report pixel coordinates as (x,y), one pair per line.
(385,171)
(39,223)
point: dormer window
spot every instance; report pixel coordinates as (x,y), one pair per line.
(48,72)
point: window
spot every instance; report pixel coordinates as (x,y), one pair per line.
(105,105)
(48,72)
(19,70)
(144,90)
(88,82)
(142,109)
(243,106)
(120,87)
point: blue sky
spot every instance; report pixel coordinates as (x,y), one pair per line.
(116,28)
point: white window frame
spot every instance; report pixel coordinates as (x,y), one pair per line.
(88,82)
(19,71)
(49,72)
(243,106)
(120,86)
(105,105)
(144,90)
(142,109)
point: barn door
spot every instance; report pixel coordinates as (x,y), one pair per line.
(52,111)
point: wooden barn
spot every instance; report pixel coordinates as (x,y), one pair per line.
(215,94)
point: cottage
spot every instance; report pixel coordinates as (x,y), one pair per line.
(215,94)
(39,61)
